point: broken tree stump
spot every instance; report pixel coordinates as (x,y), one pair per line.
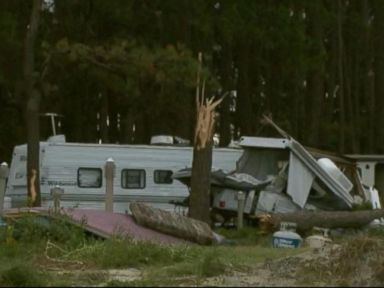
(172,223)
(199,200)
(306,220)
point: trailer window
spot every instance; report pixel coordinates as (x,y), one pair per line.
(163,176)
(89,177)
(133,178)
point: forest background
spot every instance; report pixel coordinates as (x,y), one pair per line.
(122,71)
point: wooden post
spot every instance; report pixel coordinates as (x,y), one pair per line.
(109,175)
(240,209)
(56,193)
(4,171)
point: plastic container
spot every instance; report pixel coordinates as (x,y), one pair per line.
(317,241)
(286,237)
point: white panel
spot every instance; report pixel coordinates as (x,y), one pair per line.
(300,180)
(264,142)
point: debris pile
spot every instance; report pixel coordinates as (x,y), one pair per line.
(279,176)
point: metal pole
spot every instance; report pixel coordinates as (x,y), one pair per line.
(240,209)
(4,171)
(53,124)
(109,175)
(53,121)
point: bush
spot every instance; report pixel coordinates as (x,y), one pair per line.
(32,228)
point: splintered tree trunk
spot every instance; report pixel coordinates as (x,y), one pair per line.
(199,201)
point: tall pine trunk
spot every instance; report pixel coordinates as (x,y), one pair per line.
(379,75)
(315,90)
(225,113)
(340,70)
(244,112)
(33,108)
(368,80)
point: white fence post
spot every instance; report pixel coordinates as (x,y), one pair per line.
(4,171)
(109,175)
(56,193)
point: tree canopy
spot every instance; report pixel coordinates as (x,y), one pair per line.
(122,71)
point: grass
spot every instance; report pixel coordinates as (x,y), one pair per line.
(23,275)
(37,249)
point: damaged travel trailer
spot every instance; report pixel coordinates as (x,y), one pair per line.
(142,173)
(280,175)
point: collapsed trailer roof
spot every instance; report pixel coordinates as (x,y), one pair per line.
(303,168)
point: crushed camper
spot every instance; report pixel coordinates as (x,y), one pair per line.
(279,175)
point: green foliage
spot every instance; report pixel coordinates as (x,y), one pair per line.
(377,232)
(367,205)
(211,265)
(248,235)
(33,228)
(22,276)
(142,56)
(126,253)
(17,267)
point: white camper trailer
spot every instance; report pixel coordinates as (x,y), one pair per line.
(142,173)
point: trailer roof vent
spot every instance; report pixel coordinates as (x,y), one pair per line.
(162,140)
